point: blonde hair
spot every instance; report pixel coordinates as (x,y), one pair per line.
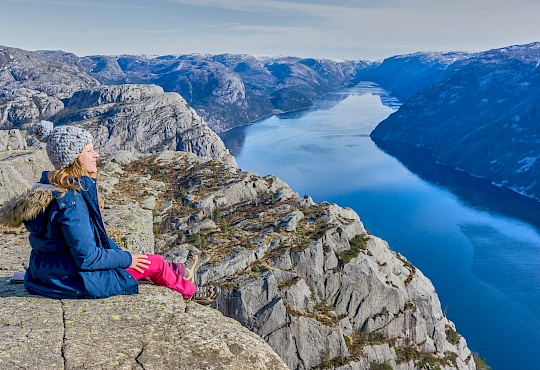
(68,178)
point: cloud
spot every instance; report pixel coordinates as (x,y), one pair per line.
(82,4)
(271,29)
(355,29)
(276,7)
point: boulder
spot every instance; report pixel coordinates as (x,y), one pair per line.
(12,140)
(130,226)
(19,170)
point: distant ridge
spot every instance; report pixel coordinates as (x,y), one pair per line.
(462,106)
(482,117)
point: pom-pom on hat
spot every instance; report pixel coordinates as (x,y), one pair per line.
(64,143)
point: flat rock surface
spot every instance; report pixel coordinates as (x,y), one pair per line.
(156,329)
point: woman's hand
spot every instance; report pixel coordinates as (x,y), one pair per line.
(139,262)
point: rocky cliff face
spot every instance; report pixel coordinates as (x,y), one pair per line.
(155,329)
(29,70)
(482,117)
(141,118)
(32,87)
(306,277)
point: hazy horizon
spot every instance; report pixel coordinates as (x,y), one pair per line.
(345,29)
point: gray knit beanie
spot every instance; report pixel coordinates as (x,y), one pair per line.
(64,143)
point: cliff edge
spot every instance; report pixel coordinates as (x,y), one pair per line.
(306,277)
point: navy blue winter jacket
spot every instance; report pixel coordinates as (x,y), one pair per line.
(72,256)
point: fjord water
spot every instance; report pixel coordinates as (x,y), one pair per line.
(478,244)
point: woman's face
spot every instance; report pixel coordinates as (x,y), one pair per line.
(88,157)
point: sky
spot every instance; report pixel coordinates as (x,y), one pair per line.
(334,29)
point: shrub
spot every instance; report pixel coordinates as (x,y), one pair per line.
(358,244)
(452,336)
(197,240)
(333,363)
(380,366)
(481,363)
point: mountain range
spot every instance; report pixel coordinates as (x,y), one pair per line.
(226,90)
(472,111)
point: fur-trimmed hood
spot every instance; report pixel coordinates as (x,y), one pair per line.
(27,207)
(72,255)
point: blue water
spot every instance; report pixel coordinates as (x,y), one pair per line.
(479,245)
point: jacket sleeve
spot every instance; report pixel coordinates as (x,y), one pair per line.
(79,236)
(113,244)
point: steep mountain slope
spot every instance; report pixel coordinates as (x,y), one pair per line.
(233,90)
(406,75)
(483,117)
(29,70)
(32,87)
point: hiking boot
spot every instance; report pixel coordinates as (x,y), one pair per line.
(191,265)
(205,295)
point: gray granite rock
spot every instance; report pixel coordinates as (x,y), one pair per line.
(130,226)
(142,119)
(12,140)
(324,293)
(19,170)
(155,329)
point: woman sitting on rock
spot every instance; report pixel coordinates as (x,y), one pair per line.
(72,256)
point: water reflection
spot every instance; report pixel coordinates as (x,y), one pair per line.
(234,140)
(475,192)
(331,100)
(512,265)
(327,102)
